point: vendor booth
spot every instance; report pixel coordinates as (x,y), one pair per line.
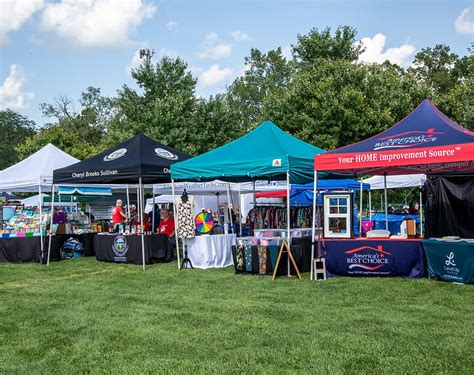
(264,153)
(134,163)
(426,141)
(33,174)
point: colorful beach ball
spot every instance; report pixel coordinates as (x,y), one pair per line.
(204,222)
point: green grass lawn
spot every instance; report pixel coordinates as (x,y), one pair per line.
(82,316)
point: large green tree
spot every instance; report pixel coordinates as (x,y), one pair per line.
(450,79)
(265,74)
(336,103)
(318,45)
(14,129)
(79,133)
(163,108)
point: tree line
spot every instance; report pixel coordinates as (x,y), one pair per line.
(322,94)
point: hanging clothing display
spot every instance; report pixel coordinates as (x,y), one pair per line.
(274,217)
(185,213)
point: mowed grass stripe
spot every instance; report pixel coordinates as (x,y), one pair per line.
(86,316)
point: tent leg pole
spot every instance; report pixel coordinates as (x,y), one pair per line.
(142,226)
(370,205)
(229,209)
(386,199)
(254,204)
(313,227)
(175,218)
(128,203)
(153,213)
(41,218)
(421,213)
(50,225)
(360,208)
(240,212)
(288,218)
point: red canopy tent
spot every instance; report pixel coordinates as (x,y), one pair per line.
(425,141)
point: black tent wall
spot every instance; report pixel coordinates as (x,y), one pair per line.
(449,206)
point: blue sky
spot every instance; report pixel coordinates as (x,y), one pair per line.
(57,47)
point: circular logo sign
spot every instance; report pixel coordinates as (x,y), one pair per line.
(162,153)
(116,154)
(120,246)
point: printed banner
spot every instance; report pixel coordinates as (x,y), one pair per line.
(374,257)
(450,261)
(438,158)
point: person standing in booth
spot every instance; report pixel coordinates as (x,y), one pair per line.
(167,227)
(166,224)
(118,215)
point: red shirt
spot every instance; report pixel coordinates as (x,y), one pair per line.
(116,217)
(166,226)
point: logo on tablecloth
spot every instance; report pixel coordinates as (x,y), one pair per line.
(407,139)
(450,259)
(367,258)
(116,154)
(120,248)
(450,268)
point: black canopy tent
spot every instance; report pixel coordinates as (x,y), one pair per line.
(139,157)
(137,161)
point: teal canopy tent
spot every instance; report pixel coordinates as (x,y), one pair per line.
(266,152)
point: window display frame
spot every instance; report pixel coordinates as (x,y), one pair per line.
(327,215)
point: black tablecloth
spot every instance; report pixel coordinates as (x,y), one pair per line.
(28,249)
(87,239)
(128,249)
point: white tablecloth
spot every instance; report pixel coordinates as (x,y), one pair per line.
(211,251)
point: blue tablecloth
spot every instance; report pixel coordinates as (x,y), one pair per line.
(450,260)
(394,221)
(374,257)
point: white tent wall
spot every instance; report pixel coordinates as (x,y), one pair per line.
(201,201)
(213,187)
(396,182)
(34,201)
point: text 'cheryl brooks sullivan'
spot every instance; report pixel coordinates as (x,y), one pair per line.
(364,158)
(102,172)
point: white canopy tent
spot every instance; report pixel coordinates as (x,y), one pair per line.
(396,182)
(35,173)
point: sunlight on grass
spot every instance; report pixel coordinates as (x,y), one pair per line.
(85,316)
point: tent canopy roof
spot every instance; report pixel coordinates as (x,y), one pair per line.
(396,182)
(138,157)
(266,152)
(37,169)
(426,140)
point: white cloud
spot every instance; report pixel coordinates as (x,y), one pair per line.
(463,24)
(287,53)
(214,75)
(171,53)
(239,36)
(96,23)
(171,25)
(214,48)
(137,60)
(13,14)
(374,51)
(11,91)
(135,63)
